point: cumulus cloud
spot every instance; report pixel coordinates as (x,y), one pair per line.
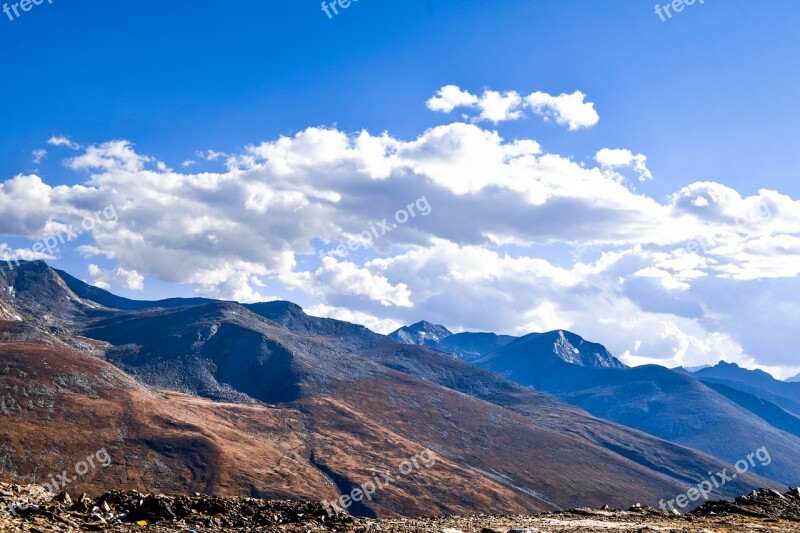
(7,253)
(112,155)
(566,109)
(374,323)
(540,240)
(623,158)
(345,279)
(569,110)
(497,107)
(450,97)
(118,277)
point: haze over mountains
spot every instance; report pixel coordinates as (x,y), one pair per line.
(265,400)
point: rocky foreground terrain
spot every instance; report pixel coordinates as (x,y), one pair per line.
(33,508)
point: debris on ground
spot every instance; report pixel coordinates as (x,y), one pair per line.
(31,508)
(763,503)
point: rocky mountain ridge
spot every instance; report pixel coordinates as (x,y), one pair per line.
(266,401)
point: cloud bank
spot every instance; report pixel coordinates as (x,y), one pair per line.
(517,239)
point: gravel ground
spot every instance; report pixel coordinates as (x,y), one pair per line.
(32,508)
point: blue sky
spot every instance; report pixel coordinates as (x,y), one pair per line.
(707,96)
(710,94)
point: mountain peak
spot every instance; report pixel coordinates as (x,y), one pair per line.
(552,347)
(36,290)
(423,333)
(734,372)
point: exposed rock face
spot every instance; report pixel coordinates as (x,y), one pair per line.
(764,503)
(422,333)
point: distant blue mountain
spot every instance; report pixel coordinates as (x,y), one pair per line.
(472,346)
(774,414)
(552,350)
(755,382)
(673,405)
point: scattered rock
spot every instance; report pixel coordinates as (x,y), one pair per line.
(117,511)
(764,503)
(63,498)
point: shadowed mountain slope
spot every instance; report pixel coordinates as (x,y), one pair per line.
(755,382)
(553,349)
(366,404)
(472,346)
(658,401)
(773,414)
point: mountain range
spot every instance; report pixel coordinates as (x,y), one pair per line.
(264,400)
(673,405)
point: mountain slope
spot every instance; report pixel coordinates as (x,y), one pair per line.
(59,405)
(37,293)
(755,382)
(773,414)
(543,352)
(653,399)
(472,346)
(171,442)
(106,299)
(368,403)
(330,443)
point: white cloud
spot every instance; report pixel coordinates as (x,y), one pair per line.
(119,277)
(374,323)
(496,107)
(7,253)
(63,141)
(537,238)
(348,280)
(38,155)
(566,109)
(623,158)
(211,155)
(237,281)
(112,155)
(450,97)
